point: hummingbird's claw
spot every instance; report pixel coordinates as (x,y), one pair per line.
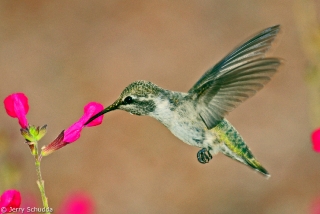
(204,156)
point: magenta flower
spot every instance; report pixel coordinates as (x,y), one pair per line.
(10,199)
(72,133)
(17,106)
(77,203)
(315,137)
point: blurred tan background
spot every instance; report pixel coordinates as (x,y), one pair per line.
(63,54)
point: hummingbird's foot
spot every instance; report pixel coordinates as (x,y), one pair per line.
(204,156)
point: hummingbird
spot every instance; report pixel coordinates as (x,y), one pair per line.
(198,116)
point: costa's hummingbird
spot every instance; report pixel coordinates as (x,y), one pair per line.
(197,117)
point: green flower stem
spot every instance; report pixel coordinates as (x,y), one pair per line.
(40,182)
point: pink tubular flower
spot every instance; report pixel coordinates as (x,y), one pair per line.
(17,106)
(72,133)
(9,199)
(315,137)
(77,203)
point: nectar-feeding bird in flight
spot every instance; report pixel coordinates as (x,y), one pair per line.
(197,117)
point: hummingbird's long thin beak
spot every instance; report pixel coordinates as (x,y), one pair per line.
(109,108)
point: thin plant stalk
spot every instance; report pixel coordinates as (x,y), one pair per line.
(40,181)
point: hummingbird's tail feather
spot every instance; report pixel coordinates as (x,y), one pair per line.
(233,146)
(257,166)
(251,162)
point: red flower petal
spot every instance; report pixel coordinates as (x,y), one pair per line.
(9,103)
(315,137)
(17,106)
(72,133)
(91,109)
(10,198)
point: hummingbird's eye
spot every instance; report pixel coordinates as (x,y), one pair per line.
(128,100)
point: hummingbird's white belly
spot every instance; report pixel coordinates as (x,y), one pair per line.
(185,124)
(194,134)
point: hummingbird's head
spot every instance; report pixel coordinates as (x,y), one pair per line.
(137,98)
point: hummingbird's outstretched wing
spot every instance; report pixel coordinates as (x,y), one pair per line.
(235,78)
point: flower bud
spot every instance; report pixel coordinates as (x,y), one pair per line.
(33,134)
